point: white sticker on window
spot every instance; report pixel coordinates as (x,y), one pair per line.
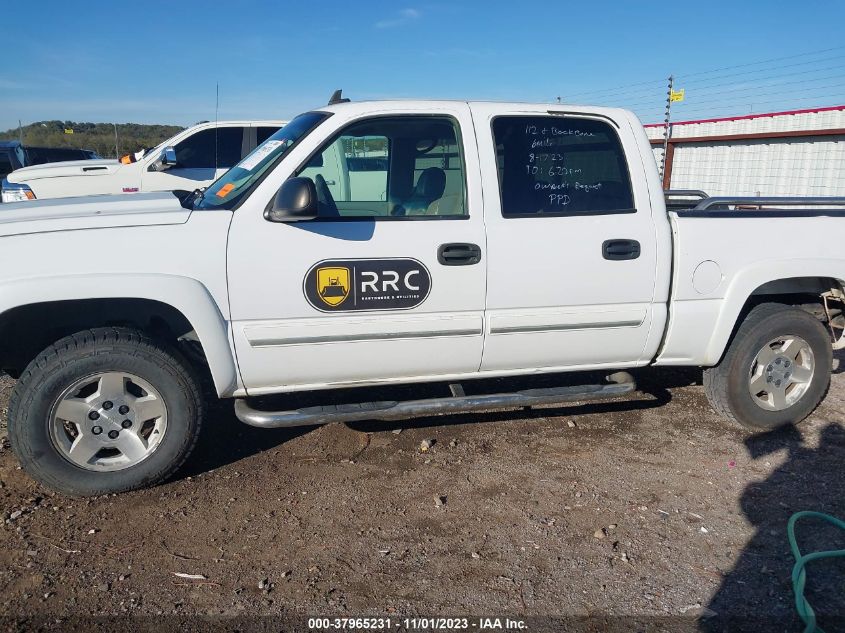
(259,154)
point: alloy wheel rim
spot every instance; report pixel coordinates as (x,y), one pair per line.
(781,373)
(108,421)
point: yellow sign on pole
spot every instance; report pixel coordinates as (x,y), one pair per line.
(68,130)
(676,95)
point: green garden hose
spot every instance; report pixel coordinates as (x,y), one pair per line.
(799,575)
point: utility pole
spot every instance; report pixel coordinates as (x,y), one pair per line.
(216,118)
(666,126)
(116,151)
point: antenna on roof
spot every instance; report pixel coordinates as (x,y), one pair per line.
(337,98)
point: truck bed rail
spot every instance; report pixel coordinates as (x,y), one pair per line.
(835,202)
(763,207)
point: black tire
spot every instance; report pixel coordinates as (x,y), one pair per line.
(89,352)
(726,384)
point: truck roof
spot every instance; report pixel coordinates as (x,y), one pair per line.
(425,104)
(239,122)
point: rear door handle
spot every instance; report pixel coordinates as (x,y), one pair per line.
(617,250)
(459,254)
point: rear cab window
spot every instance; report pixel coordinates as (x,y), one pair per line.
(560,166)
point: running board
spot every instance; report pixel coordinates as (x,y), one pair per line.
(620,384)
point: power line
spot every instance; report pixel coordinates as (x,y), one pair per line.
(641,83)
(622,95)
(757,70)
(618,89)
(738,108)
(799,87)
(757,80)
(766,61)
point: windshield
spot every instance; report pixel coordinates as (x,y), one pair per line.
(151,150)
(227,190)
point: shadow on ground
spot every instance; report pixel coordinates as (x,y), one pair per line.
(226,440)
(757,594)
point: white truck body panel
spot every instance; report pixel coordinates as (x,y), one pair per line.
(131,254)
(720,262)
(441,337)
(541,299)
(65,214)
(549,288)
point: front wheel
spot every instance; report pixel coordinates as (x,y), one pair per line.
(104,410)
(776,370)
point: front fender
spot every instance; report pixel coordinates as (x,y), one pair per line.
(186,295)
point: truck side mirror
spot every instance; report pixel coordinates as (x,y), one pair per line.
(295,201)
(165,160)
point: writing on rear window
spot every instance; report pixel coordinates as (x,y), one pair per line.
(552,165)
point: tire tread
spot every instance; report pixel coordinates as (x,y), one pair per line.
(716,380)
(101,341)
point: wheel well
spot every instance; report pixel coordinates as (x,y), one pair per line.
(823,297)
(802,292)
(26,330)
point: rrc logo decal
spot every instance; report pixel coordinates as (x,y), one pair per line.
(367,284)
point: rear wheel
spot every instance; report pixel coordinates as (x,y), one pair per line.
(104,410)
(776,370)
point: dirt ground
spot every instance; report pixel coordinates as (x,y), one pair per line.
(649,507)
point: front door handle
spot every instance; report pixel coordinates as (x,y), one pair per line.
(617,250)
(458,254)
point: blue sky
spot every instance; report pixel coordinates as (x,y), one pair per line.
(152,61)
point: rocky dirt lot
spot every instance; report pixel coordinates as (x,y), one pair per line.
(650,507)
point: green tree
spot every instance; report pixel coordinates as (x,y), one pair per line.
(132,137)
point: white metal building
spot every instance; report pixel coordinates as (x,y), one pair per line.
(794,153)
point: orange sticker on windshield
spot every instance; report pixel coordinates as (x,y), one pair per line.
(225,189)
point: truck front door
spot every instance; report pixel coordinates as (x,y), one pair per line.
(572,249)
(388,282)
(200,159)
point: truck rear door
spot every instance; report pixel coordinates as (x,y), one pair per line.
(572,248)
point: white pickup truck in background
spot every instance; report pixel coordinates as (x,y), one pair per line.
(400,242)
(192,159)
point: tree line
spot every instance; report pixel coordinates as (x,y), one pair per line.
(100,137)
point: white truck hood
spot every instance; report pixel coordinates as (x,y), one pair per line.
(91,212)
(100,167)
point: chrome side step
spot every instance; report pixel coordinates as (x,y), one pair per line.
(620,383)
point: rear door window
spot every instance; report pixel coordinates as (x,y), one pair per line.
(551,165)
(210,148)
(263,133)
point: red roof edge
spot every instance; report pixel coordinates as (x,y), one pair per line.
(751,116)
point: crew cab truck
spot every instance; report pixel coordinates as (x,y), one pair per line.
(380,243)
(191,159)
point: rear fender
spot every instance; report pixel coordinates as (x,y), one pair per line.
(748,280)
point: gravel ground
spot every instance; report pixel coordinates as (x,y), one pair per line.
(651,507)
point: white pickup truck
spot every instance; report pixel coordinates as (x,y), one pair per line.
(399,242)
(190,160)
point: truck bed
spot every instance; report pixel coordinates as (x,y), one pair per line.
(726,248)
